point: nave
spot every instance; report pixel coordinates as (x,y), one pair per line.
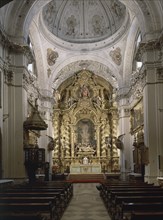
(86,204)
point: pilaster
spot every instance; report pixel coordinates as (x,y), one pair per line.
(126,157)
(15,59)
(153,104)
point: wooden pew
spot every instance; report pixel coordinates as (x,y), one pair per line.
(116,193)
(40,193)
(46,209)
(109,195)
(126,209)
(105,189)
(148,215)
(55,198)
(122,191)
(117,204)
(60,192)
(22,216)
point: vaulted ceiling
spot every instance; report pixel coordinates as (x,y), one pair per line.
(71,35)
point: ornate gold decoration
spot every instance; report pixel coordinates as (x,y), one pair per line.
(56,133)
(83,119)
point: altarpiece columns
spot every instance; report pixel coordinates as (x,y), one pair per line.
(82,123)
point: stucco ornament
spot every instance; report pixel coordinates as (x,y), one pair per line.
(116,56)
(51,56)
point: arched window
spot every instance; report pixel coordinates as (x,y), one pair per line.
(138,63)
(31,66)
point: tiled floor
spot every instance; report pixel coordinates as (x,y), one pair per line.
(86,204)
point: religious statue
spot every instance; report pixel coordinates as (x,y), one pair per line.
(84,91)
(51,143)
(85,160)
(119,141)
(57,96)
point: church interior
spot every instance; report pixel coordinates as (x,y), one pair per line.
(81,95)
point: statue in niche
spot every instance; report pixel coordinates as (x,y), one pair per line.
(51,56)
(116,56)
(71,23)
(85,160)
(71,101)
(56,96)
(84,93)
(97,99)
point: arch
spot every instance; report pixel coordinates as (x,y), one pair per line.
(129,53)
(64,71)
(20,15)
(147,14)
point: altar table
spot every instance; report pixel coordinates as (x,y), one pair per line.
(85,168)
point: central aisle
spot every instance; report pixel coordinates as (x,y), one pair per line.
(86,204)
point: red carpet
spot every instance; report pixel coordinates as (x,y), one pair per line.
(85,178)
(85,181)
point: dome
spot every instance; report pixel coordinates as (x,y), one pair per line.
(84,21)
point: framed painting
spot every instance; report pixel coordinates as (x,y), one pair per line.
(137,116)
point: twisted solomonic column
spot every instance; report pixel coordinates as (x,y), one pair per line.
(56,135)
(65,133)
(105,130)
(103,148)
(114,134)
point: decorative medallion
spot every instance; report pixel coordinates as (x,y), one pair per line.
(116,56)
(51,56)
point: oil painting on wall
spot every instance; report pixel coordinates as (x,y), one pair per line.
(137,117)
(85,133)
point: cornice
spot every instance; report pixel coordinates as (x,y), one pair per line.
(15,47)
(154,44)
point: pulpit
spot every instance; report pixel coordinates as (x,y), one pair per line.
(34,159)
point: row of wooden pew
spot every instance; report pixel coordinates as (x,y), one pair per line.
(36,201)
(132,200)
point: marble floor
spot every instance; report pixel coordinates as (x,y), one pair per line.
(86,204)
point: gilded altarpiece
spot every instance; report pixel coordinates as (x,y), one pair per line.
(84,120)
